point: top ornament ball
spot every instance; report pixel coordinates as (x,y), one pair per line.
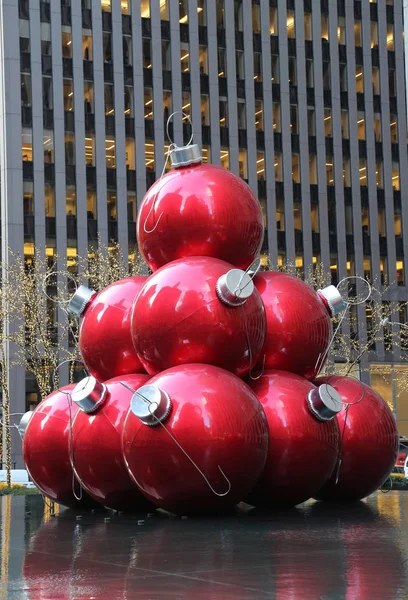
(199,209)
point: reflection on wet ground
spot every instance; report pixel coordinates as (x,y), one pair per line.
(314,552)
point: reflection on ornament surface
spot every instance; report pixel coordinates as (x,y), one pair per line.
(206,211)
(219,423)
(178,319)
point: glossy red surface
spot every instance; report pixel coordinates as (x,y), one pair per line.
(178,319)
(97,443)
(370,445)
(218,421)
(107,355)
(298,326)
(302,450)
(46,450)
(206,211)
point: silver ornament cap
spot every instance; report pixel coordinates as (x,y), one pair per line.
(80,300)
(151,405)
(235,287)
(22,426)
(324,402)
(89,394)
(185,155)
(333,299)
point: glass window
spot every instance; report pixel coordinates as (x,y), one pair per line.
(88,97)
(243,163)
(145,8)
(164,9)
(166,55)
(276,117)
(239,54)
(87,47)
(278,167)
(111,203)
(91,204)
(48,143)
(206,154)
(275,69)
(273,21)
(357,32)
(68,95)
(280,215)
(292,71)
(397,222)
(49,200)
(309,74)
(314,214)
(66,44)
(390,36)
(359,79)
(326,75)
(365,221)
(90,150)
(308,26)
(324,27)
(186,103)
(183,11)
(341,31)
(107,47)
(344,125)
(312,170)
(24,45)
(70,200)
(26,89)
(147,54)
(184,58)
(223,113)
(377,127)
(329,171)
(149,156)
(294,120)
(311,124)
(327,122)
(222,63)
(346,175)
(395,176)
(167,103)
(27,144)
(110,152)
(238,14)
(203,58)
(290,23)
(128,101)
(258,114)
(363,171)
(260,165)
(379,177)
(343,77)
(220,14)
(148,103)
(376,80)
(374,34)
(46,47)
(391,82)
(241,115)
(125,4)
(127,50)
(69,149)
(361,126)
(257,66)
(109,99)
(130,154)
(256,18)
(224,157)
(381,222)
(393,129)
(296,172)
(349,219)
(205,110)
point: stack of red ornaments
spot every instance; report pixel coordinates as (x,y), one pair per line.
(202,388)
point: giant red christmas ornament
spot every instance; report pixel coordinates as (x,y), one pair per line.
(199,210)
(104,337)
(298,326)
(211,416)
(303,438)
(97,441)
(46,450)
(369,442)
(198,310)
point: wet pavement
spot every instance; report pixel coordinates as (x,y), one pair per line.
(316,552)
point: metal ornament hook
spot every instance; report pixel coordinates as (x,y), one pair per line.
(185,116)
(251,271)
(68,276)
(151,406)
(63,362)
(366,297)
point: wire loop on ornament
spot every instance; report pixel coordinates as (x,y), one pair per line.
(359,278)
(251,271)
(155,405)
(68,276)
(172,146)
(63,362)
(11,425)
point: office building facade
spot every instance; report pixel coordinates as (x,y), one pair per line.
(304,99)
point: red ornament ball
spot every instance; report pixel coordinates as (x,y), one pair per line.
(298,325)
(97,443)
(302,450)
(46,450)
(370,445)
(178,319)
(105,339)
(217,420)
(200,210)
